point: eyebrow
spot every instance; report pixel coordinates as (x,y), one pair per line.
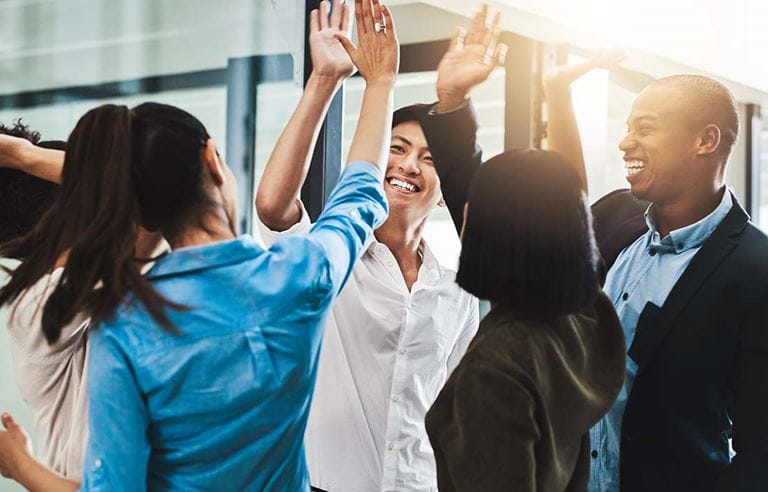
(642,119)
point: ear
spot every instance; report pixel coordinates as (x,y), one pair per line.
(442,203)
(709,140)
(212,162)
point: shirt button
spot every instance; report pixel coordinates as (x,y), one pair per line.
(395,398)
(625,296)
(97,463)
(403,350)
(594,454)
(680,245)
(652,252)
(390,446)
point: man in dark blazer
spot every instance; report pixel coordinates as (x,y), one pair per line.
(698,342)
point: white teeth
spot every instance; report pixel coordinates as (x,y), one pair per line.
(403,185)
(634,167)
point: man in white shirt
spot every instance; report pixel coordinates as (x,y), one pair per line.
(399,326)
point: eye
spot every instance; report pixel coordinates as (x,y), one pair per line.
(397,148)
(429,159)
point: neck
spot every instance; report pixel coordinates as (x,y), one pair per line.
(403,240)
(211,228)
(678,214)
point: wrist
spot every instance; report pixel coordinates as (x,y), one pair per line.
(450,99)
(325,82)
(382,83)
(23,468)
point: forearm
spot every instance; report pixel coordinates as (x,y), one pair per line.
(562,129)
(287,168)
(43,163)
(35,477)
(374,128)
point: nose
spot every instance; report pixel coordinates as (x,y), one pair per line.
(627,144)
(409,166)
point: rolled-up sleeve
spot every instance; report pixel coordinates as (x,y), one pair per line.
(118,446)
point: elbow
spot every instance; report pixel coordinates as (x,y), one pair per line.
(275,214)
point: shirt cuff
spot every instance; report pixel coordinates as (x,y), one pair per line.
(433,110)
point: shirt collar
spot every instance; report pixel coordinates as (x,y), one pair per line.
(186,260)
(430,267)
(690,236)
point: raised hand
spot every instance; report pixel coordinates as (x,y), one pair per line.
(15,447)
(329,58)
(470,59)
(562,76)
(378,55)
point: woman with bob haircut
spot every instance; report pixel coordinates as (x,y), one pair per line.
(548,360)
(200,374)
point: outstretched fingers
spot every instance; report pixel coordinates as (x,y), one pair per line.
(336,15)
(389,22)
(324,14)
(457,39)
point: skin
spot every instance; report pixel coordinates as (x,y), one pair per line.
(470,60)
(684,173)
(377,58)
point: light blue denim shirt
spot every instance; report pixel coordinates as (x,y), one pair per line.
(646,271)
(223,404)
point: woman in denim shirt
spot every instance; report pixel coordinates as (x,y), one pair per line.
(200,374)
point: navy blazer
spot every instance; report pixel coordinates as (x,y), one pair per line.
(702,356)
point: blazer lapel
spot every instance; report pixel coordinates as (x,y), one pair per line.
(654,326)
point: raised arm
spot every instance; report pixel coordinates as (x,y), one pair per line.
(562,129)
(21,154)
(378,59)
(451,127)
(280,186)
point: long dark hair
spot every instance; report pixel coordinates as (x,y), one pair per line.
(528,242)
(123,168)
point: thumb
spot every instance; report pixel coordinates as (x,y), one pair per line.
(8,422)
(346,43)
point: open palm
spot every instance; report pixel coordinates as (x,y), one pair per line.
(472,55)
(329,58)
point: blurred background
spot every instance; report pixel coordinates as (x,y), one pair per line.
(239,66)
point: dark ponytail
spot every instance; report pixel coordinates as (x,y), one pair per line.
(122,168)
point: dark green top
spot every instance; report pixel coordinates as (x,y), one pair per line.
(516,412)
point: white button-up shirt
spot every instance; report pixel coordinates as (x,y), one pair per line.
(385,356)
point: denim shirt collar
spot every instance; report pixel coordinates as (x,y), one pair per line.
(690,236)
(195,258)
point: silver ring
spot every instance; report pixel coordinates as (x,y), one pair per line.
(379,27)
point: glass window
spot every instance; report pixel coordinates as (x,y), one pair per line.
(601,107)
(60,59)
(419,87)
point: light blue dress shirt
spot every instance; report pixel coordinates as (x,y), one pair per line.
(223,404)
(646,271)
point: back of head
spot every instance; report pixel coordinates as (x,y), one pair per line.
(24,197)
(123,168)
(528,242)
(703,100)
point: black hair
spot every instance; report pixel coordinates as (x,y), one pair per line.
(414,112)
(24,197)
(123,168)
(528,242)
(704,100)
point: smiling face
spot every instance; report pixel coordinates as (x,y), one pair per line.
(660,147)
(411,184)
